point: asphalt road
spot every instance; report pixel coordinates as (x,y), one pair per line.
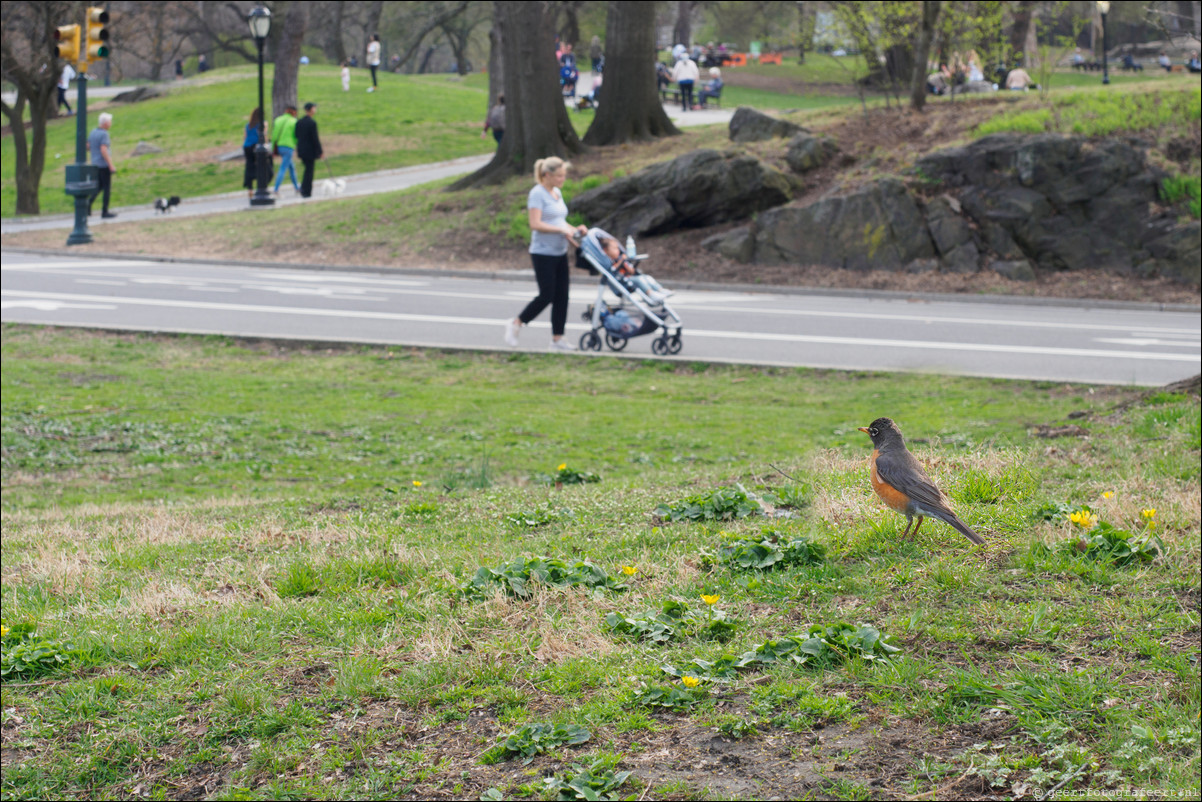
(857,332)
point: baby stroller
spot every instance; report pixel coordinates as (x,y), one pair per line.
(638,310)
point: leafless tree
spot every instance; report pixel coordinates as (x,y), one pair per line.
(27,62)
(149,32)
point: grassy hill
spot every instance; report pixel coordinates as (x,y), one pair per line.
(411,120)
(251,571)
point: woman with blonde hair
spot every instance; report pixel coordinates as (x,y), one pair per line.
(549,237)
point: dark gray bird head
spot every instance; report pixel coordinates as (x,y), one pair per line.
(883,431)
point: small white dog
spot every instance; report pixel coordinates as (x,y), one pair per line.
(332,186)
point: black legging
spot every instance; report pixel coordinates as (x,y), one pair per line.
(248,177)
(373,73)
(552,275)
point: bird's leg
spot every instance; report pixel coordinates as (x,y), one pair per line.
(906,531)
(914,534)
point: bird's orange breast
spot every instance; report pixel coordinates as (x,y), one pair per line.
(893,498)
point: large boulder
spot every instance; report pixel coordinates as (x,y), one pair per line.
(808,152)
(701,188)
(749,125)
(1063,203)
(879,227)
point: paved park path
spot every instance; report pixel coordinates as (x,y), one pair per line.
(361,184)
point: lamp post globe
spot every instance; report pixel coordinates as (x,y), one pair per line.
(259,21)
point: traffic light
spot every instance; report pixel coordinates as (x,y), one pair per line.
(67,37)
(98,34)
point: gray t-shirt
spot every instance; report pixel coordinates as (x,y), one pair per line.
(98,137)
(555,212)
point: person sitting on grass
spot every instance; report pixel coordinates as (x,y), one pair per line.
(712,88)
(1194,65)
(1018,80)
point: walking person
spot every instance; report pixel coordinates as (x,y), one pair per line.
(495,120)
(685,74)
(308,147)
(283,140)
(373,59)
(596,53)
(249,143)
(100,145)
(549,237)
(64,83)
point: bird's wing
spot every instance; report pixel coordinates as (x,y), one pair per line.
(905,473)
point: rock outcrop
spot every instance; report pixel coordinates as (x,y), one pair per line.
(808,152)
(749,125)
(1016,204)
(701,188)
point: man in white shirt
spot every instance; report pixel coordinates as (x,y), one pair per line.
(64,83)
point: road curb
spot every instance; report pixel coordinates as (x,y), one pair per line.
(528,275)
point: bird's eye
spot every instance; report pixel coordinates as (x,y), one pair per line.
(874,430)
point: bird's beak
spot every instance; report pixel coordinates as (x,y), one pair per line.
(864,429)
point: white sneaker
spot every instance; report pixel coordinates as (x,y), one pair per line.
(511,333)
(371,89)
(562,345)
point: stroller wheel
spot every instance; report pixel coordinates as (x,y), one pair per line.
(589,341)
(659,346)
(674,344)
(614,343)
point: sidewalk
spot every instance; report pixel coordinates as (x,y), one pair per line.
(361,184)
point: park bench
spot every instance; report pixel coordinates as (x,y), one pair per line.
(673,96)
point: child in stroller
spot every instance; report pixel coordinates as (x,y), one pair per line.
(629,272)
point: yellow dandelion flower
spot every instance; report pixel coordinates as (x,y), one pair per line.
(690,682)
(1148,514)
(562,465)
(3,631)
(710,600)
(417,483)
(1084,519)
(629,570)
(1108,494)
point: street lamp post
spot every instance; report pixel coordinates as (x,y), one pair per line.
(1104,9)
(260,25)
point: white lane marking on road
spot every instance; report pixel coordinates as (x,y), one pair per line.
(50,306)
(683,302)
(101,281)
(732,335)
(1146,341)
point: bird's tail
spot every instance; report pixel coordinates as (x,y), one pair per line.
(963,528)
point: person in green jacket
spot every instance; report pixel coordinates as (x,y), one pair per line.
(283,138)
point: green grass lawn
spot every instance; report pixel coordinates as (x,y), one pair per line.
(260,572)
(411,120)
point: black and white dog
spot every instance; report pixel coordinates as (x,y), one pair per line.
(164,204)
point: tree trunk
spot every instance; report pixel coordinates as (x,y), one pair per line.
(1031,43)
(682,33)
(629,109)
(801,32)
(287,58)
(922,53)
(374,12)
(496,64)
(26,42)
(335,48)
(570,32)
(1024,20)
(536,121)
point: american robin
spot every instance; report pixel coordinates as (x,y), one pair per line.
(900,481)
